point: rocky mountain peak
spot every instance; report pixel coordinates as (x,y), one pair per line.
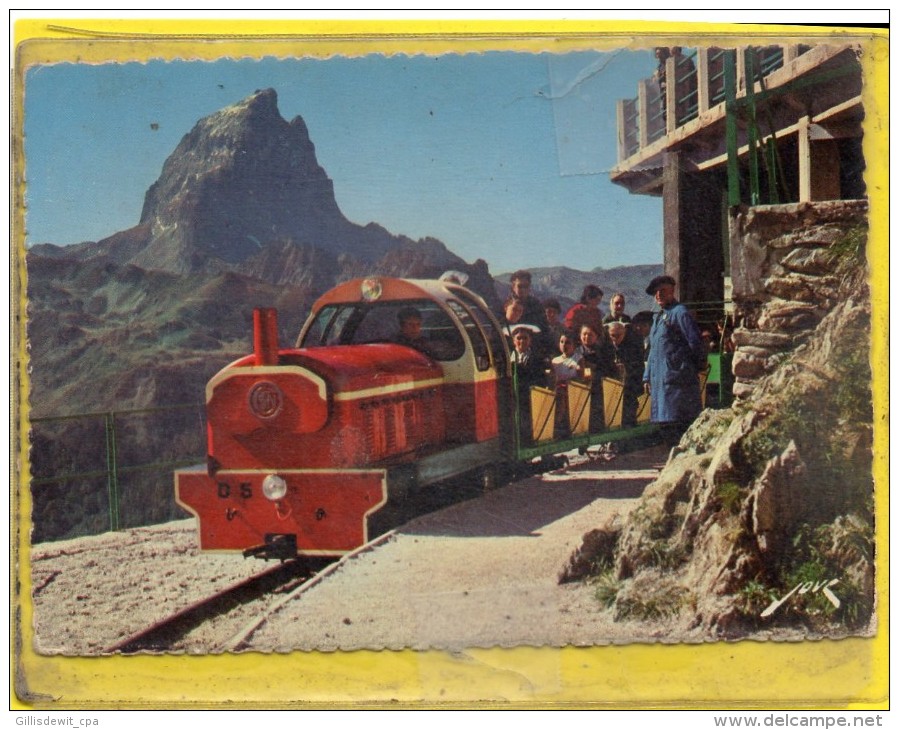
(243,192)
(242,178)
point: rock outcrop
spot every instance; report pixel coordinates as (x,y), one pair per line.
(773,494)
(784,280)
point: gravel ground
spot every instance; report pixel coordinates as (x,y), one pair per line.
(481,573)
(477,574)
(89,593)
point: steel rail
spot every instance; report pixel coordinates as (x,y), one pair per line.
(239,640)
(162,634)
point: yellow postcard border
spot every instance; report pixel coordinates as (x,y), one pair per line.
(844,674)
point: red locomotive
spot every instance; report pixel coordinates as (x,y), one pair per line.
(306,444)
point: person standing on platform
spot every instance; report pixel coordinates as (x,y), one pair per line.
(676,356)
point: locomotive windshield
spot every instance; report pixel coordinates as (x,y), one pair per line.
(362,323)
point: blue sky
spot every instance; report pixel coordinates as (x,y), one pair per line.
(502,156)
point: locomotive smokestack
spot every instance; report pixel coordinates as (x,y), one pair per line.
(265,336)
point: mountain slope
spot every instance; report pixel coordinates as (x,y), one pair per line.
(566,284)
(242,216)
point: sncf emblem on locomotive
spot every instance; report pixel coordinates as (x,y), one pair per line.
(266,399)
(371,290)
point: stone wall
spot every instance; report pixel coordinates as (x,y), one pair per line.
(784,278)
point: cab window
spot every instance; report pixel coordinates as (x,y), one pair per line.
(495,338)
(478,343)
(364,323)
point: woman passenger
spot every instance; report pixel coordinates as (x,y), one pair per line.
(565,367)
(598,362)
(586,311)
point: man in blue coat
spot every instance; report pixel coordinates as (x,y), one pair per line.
(677,354)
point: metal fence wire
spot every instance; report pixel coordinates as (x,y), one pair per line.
(93,472)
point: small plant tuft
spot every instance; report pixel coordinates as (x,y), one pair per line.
(607,588)
(731,495)
(664,602)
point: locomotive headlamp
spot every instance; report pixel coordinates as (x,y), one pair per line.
(274,487)
(372,290)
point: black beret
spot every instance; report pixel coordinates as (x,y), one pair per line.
(657,282)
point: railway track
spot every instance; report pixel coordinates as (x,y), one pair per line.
(166,633)
(204,625)
(240,639)
(269,590)
(208,625)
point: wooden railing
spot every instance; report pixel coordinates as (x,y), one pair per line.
(694,85)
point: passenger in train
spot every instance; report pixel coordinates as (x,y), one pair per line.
(616,314)
(641,324)
(627,348)
(676,356)
(513,309)
(553,310)
(568,364)
(596,356)
(586,311)
(565,367)
(409,319)
(533,313)
(530,370)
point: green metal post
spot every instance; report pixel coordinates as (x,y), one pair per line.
(517,419)
(112,474)
(730,128)
(753,130)
(771,150)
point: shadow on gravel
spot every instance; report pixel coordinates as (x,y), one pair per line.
(531,498)
(522,509)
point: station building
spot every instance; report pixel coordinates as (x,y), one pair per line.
(715,129)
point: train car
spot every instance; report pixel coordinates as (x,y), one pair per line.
(305,445)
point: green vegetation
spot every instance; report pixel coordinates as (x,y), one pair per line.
(600,563)
(841,552)
(656,546)
(831,427)
(663,602)
(731,495)
(755,596)
(837,556)
(849,251)
(662,553)
(606,588)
